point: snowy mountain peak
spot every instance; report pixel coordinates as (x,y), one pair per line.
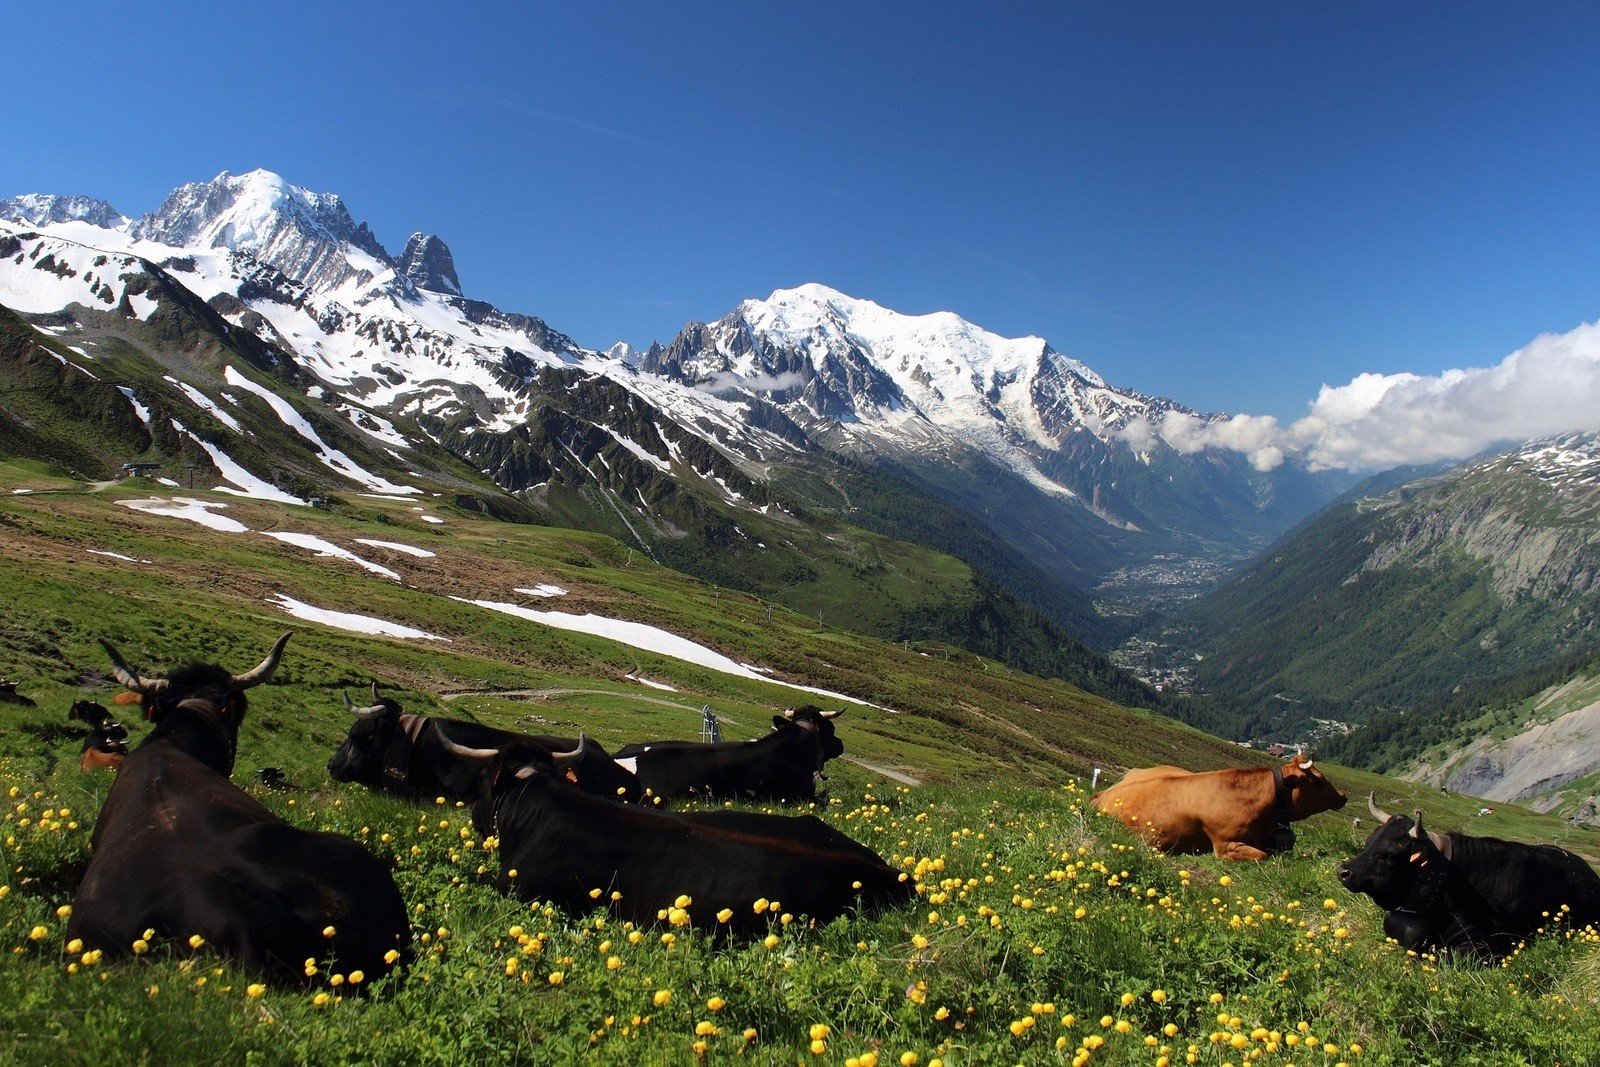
(44,209)
(309,236)
(428,263)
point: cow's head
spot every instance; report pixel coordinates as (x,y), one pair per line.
(361,757)
(515,766)
(812,718)
(1396,856)
(1310,791)
(200,690)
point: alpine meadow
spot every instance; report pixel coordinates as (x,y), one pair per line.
(840,535)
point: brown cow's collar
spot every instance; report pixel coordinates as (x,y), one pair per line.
(1280,798)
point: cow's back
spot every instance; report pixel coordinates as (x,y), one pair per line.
(1191,812)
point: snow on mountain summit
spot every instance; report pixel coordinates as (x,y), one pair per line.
(309,236)
(863,365)
(43,209)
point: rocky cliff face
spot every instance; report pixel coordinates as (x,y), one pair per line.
(428,264)
(1547,757)
(1531,515)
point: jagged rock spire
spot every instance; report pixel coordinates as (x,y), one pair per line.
(429,265)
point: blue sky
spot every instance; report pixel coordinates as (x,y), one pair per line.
(1228,204)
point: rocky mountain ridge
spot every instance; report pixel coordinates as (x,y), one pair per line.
(1388,600)
(780,392)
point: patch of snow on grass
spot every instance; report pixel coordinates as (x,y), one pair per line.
(313,543)
(430,518)
(248,484)
(642,680)
(114,555)
(650,639)
(138,408)
(395,546)
(205,403)
(543,589)
(184,507)
(344,620)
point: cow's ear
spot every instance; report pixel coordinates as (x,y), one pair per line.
(779,720)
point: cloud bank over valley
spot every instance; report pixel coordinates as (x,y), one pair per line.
(1376,421)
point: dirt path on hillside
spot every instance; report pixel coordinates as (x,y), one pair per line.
(544,694)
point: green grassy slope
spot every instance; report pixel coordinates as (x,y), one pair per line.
(1036,920)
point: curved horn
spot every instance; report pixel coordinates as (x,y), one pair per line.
(471,755)
(375,697)
(1416,827)
(362,713)
(128,676)
(1377,812)
(832,714)
(568,759)
(263,670)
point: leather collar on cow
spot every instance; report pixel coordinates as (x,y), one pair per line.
(1281,798)
(1428,893)
(397,758)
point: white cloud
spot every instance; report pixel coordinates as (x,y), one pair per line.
(728,382)
(1549,386)
(1257,436)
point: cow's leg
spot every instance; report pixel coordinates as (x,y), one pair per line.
(1237,850)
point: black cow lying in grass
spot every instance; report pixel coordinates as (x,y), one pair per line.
(181,851)
(1479,897)
(389,750)
(106,743)
(580,852)
(784,765)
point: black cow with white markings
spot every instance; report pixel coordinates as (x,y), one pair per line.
(784,765)
(1477,897)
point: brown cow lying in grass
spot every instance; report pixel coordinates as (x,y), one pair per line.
(1239,814)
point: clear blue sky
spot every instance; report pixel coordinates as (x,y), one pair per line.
(1225,203)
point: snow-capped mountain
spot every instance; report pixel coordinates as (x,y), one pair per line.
(776,394)
(935,394)
(841,364)
(42,209)
(308,236)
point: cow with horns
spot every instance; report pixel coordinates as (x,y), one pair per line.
(181,851)
(389,750)
(784,765)
(1238,813)
(579,852)
(1475,896)
(106,744)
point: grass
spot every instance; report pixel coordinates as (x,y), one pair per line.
(1037,924)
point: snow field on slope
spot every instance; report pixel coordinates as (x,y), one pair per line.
(247,484)
(313,543)
(650,639)
(331,457)
(344,620)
